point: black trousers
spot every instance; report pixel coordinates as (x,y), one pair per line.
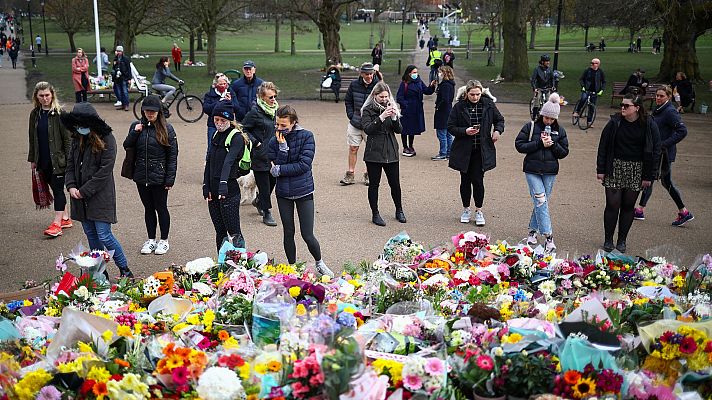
(265,186)
(392,171)
(176,65)
(56,183)
(80,96)
(620,207)
(305,211)
(473,182)
(225,214)
(407,141)
(666,181)
(155,203)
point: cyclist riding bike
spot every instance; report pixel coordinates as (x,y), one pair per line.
(158,82)
(543,81)
(593,83)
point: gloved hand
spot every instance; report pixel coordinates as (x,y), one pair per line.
(600,92)
(181,81)
(222,189)
(274,170)
(583,89)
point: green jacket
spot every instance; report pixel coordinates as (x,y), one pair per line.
(60,141)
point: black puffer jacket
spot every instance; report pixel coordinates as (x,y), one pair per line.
(155,164)
(539,159)
(260,127)
(458,123)
(381,143)
(355,97)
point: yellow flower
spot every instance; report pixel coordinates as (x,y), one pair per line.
(325,279)
(209,317)
(295,291)
(52,312)
(174,361)
(261,368)
(394,368)
(512,338)
(231,343)
(641,301)
(124,331)
(26,303)
(301,310)
(84,347)
(107,335)
(584,388)
(274,366)
(138,327)
(678,281)
(99,374)
(193,319)
(180,327)
(30,384)
(244,371)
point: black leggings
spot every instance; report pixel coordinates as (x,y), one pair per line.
(265,185)
(374,179)
(473,180)
(176,65)
(80,96)
(620,207)
(225,214)
(305,211)
(407,141)
(666,181)
(155,202)
(56,183)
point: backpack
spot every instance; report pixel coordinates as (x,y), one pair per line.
(245,163)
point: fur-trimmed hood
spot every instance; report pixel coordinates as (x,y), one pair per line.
(84,115)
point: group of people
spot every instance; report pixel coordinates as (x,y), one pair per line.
(11,46)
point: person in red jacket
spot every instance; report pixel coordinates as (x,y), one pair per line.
(177,55)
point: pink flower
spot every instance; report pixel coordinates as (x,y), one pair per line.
(317,379)
(412,382)
(485,362)
(299,390)
(180,375)
(300,370)
(434,366)
(49,393)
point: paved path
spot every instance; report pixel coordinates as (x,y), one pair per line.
(12,81)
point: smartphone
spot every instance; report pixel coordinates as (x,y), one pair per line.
(476,126)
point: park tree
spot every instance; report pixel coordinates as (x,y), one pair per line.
(131,18)
(325,14)
(586,14)
(536,11)
(515,66)
(71,16)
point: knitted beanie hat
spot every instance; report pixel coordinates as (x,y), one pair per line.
(551,109)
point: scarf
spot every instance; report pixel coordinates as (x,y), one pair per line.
(40,190)
(270,110)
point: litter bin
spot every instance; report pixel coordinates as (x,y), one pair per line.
(703,109)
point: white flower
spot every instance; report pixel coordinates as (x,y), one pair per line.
(202,288)
(547,287)
(525,261)
(82,293)
(218,383)
(199,266)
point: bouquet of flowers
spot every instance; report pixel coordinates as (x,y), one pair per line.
(180,367)
(92,262)
(424,375)
(588,383)
(402,250)
(470,244)
(235,310)
(685,349)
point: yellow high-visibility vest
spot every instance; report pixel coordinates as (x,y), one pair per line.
(435,55)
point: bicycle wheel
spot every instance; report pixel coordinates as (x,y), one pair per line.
(592,115)
(583,118)
(190,108)
(137,106)
(574,118)
(534,108)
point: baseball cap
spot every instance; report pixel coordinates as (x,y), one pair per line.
(248,64)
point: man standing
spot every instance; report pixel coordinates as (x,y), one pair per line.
(435,61)
(38,43)
(359,89)
(121,77)
(592,82)
(639,44)
(177,55)
(244,90)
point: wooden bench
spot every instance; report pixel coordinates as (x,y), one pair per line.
(649,92)
(110,92)
(346,78)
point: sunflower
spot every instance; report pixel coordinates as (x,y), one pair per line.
(571,377)
(584,387)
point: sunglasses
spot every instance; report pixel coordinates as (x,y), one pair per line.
(272,97)
(595,63)
(625,106)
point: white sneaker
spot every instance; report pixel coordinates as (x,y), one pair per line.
(117,104)
(550,247)
(148,247)
(162,247)
(323,269)
(479,218)
(531,239)
(465,217)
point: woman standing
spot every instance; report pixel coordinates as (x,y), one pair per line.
(410,98)
(684,89)
(672,131)
(377,55)
(80,75)
(628,160)
(90,180)
(49,148)
(379,115)
(156,147)
(220,187)
(292,154)
(544,144)
(476,124)
(158,82)
(443,105)
(13,52)
(219,91)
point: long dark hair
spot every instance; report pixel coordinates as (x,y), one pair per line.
(95,141)
(406,75)
(161,126)
(159,64)
(642,113)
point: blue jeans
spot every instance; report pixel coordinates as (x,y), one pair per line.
(211,132)
(100,237)
(540,190)
(122,92)
(445,139)
(584,96)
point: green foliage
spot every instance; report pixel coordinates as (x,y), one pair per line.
(482,293)
(529,374)
(235,310)
(341,364)
(389,296)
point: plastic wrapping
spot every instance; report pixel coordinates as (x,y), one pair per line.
(170,305)
(271,307)
(79,326)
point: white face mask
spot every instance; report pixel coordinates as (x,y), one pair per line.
(223,126)
(83,131)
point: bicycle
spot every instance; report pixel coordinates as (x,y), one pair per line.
(189,107)
(585,111)
(540,97)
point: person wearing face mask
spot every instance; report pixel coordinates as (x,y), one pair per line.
(381,124)
(544,142)
(50,143)
(156,147)
(291,151)
(219,91)
(90,180)
(259,124)
(628,160)
(410,98)
(220,187)
(476,124)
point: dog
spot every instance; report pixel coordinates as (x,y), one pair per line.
(248,188)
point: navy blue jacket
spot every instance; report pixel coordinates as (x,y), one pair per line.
(443,103)
(410,99)
(244,95)
(295,178)
(672,129)
(209,101)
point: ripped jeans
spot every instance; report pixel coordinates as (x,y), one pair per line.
(540,190)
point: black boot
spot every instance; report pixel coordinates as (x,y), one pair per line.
(608,245)
(400,216)
(256,203)
(378,220)
(621,245)
(267,218)
(126,273)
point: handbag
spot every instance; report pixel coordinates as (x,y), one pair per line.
(327,82)
(85,81)
(127,167)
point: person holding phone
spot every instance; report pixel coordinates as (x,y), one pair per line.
(476,124)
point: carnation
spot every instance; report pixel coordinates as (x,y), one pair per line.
(219,383)
(199,266)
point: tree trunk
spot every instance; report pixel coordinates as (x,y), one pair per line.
(631,31)
(682,28)
(585,36)
(293,38)
(72,46)
(515,64)
(212,44)
(329,27)
(370,38)
(192,47)
(200,40)
(532,34)
(276,34)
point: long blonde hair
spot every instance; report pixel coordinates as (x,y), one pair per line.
(54,106)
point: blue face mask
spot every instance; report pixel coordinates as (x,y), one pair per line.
(413,76)
(83,131)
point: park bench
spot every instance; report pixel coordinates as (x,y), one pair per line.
(649,92)
(346,78)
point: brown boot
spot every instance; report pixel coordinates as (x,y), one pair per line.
(348,179)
